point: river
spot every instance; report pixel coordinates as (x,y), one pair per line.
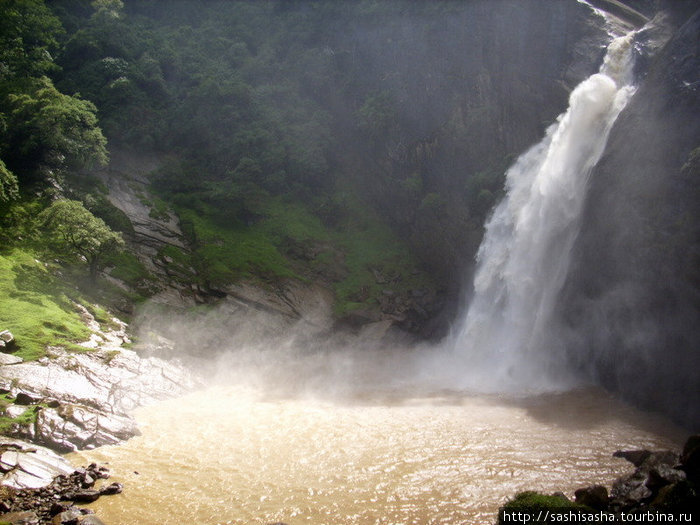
(229,455)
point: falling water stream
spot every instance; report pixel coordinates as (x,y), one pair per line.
(405,451)
(524,257)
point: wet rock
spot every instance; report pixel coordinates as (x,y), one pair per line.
(655,471)
(662,475)
(58,507)
(690,458)
(83,496)
(91,520)
(54,503)
(75,427)
(21,518)
(96,395)
(677,497)
(636,457)
(111,489)
(630,491)
(595,496)
(70,516)
(29,466)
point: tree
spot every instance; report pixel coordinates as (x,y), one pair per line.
(8,184)
(75,231)
(29,33)
(46,128)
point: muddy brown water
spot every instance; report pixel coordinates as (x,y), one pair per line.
(228,456)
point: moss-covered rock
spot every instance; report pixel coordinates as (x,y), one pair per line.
(538,508)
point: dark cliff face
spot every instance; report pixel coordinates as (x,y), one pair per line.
(469,91)
(631,308)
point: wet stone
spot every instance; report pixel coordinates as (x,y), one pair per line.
(595,496)
(110,490)
(21,518)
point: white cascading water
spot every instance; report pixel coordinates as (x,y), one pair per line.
(524,257)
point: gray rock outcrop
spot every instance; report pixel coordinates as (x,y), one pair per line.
(25,466)
(83,400)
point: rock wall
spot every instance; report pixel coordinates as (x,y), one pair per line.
(631,308)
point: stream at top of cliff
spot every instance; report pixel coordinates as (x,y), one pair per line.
(232,455)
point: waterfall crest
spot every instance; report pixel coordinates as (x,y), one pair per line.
(502,342)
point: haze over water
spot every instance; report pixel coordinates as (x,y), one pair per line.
(230,455)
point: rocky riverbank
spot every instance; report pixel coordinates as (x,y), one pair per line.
(663,482)
(41,487)
(68,401)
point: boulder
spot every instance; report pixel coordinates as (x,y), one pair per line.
(29,466)
(111,489)
(7,359)
(70,516)
(91,520)
(690,458)
(95,395)
(15,410)
(630,491)
(20,518)
(23,398)
(7,340)
(82,496)
(595,496)
(636,457)
(662,475)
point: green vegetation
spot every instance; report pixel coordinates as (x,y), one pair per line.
(536,506)
(73,230)
(25,419)
(37,307)
(293,149)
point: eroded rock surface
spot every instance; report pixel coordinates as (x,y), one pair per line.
(25,466)
(50,500)
(83,400)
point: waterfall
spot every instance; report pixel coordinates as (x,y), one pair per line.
(502,342)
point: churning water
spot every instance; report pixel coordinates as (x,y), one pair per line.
(505,339)
(230,456)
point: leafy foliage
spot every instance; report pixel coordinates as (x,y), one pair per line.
(48,128)
(8,184)
(29,34)
(73,230)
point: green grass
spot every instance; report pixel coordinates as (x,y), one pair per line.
(27,418)
(36,307)
(129,269)
(369,244)
(229,250)
(284,238)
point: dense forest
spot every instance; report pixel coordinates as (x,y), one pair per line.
(292,140)
(360,145)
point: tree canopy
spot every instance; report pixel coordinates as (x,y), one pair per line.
(75,232)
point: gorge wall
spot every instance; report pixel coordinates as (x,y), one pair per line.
(630,312)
